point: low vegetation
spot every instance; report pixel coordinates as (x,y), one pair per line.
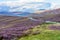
(42,32)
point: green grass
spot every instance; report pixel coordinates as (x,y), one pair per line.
(45,34)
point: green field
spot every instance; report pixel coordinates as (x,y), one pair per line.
(41,32)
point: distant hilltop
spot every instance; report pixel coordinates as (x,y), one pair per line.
(48,15)
(57,10)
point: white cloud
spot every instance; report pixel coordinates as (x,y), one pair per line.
(19,3)
(55,3)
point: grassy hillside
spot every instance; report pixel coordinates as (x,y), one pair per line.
(13,27)
(47,27)
(42,32)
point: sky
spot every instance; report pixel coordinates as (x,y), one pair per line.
(22,5)
(15,5)
(27,5)
(21,2)
(56,1)
(15,2)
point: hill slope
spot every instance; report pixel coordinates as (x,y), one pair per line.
(49,15)
(12,27)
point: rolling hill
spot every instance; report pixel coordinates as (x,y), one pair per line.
(13,27)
